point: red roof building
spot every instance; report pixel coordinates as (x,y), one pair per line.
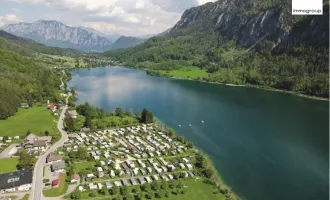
(55,182)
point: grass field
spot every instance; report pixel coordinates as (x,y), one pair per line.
(57,191)
(36,119)
(188,72)
(8,165)
(83,165)
(196,190)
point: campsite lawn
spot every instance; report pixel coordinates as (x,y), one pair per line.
(196,190)
(54,192)
(8,165)
(36,119)
(83,165)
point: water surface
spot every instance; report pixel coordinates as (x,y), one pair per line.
(266,145)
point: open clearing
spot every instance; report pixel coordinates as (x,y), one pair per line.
(8,165)
(36,119)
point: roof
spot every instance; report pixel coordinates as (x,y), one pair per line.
(55,182)
(73,112)
(51,158)
(58,165)
(38,143)
(75,177)
(15,179)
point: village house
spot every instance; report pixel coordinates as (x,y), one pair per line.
(73,113)
(58,166)
(75,178)
(52,157)
(16,181)
(36,141)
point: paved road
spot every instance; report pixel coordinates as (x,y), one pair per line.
(9,151)
(37,184)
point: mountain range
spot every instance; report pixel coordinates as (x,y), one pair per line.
(255,42)
(57,34)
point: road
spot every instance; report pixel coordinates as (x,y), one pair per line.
(37,184)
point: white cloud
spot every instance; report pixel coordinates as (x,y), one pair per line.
(9,19)
(123,16)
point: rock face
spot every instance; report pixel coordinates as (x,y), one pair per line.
(55,33)
(249,21)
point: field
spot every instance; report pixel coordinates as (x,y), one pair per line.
(8,165)
(56,60)
(187,72)
(196,190)
(83,165)
(57,191)
(36,119)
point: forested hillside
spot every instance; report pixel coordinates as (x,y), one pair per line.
(255,42)
(23,80)
(27,47)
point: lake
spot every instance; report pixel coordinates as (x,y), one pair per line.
(266,145)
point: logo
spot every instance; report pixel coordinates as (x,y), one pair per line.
(307,7)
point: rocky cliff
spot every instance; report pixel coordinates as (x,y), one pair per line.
(57,34)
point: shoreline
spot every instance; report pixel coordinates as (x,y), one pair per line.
(226,84)
(248,85)
(219,179)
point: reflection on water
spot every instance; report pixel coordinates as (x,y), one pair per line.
(267,145)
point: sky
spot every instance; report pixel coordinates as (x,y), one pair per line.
(126,17)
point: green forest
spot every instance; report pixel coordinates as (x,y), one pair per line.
(97,118)
(23,80)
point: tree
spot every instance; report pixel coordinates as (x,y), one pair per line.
(147,117)
(129,197)
(115,190)
(71,171)
(82,174)
(209,172)
(4,138)
(82,153)
(103,191)
(46,133)
(124,190)
(25,161)
(139,196)
(75,195)
(69,123)
(119,112)
(155,186)
(164,185)
(28,132)
(138,115)
(92,194)
(171,132)
(160,193)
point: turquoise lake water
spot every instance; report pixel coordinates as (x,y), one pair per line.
(266,145)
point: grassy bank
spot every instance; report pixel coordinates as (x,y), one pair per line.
(8,165)
(198,74)
(36,119)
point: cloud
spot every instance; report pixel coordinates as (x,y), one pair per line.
(9,19)
(129,17)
